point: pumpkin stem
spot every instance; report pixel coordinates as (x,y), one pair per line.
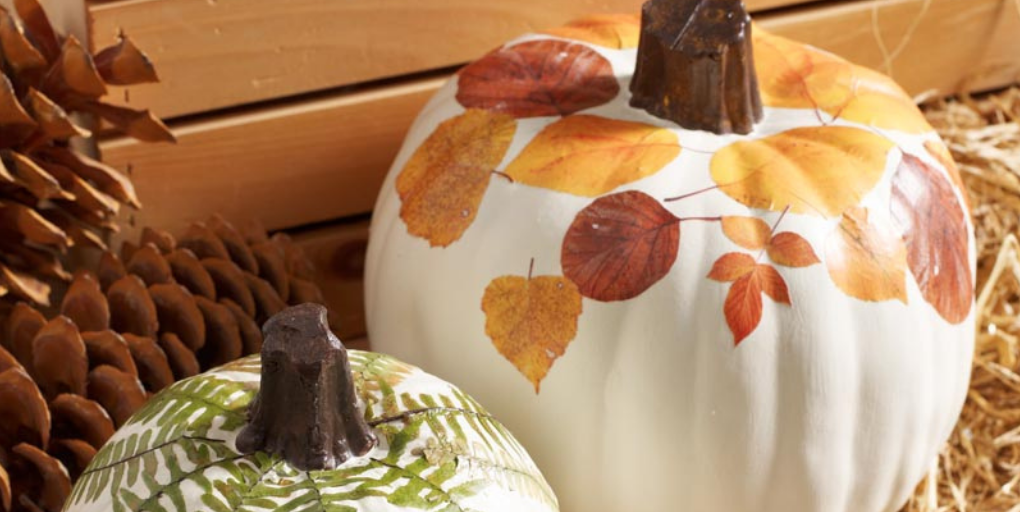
(695,65)
(306,410)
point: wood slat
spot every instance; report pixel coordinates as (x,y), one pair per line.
(325,159)
(215,54)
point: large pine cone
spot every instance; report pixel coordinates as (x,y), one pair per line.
(51,196)
(163,311)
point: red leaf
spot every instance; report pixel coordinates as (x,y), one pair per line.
(926,210)
(743,307)
(620,245)
(791,250)
(538,78)
(732,266)
(772,283)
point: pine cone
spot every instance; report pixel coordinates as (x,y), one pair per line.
(164,310)
(51,196)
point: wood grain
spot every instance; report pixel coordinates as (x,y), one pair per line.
(222,53)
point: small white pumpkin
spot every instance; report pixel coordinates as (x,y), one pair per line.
(421,444)
(778,319)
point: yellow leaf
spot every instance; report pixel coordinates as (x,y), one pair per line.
(443,183)
(794,75)
(618,31)
(867,259)
(531,320)
(589,155)
(747,232)
(816,170)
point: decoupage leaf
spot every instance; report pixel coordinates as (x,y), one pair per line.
(620,245)
(938,150)
(772,283)
(531,321)
(747,232)
(732,266)
(743,306)
(925,209)
(538,78)
(815,170)
(618,31)
(140,124)
(124,64)
(442,185)
(791,250)
(793,75)
(590,155)
(866,259)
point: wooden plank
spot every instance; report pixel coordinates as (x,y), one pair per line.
(215,54)
(289,166)
(338,253)
(325,159)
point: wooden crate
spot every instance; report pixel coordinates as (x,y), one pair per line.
(292,111)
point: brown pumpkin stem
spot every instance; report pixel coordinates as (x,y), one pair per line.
(306,410)
(695,65)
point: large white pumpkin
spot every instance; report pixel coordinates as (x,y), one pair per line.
(776,321)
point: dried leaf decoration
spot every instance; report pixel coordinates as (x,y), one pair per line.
(443,183)
(619,246)
(618,31)
(538,78)
(747,232)
(590,155)
(866,258)
(791,250)
(792,75)
(743,306)
(531,320)
(815,171)
(938,150)
(925,209)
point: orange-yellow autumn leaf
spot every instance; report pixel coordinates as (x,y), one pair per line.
(747,232)
(791,250)
(815,170)
(793,75)
(610,30)
(531,320)
(443,183)
(589,155)
(867,258)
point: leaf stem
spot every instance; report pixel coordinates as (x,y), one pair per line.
(531,268)
(504,175)
(691,194)
(772,233)
(706,219)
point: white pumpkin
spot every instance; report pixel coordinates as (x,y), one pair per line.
(775,321)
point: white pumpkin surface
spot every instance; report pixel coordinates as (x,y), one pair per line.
(438,450)
(672,319)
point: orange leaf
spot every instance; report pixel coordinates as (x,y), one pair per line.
(791,250)
(538,78)
(617,31)
(793,75)
(747,232)
(732,266)
(443,183)
(590,155)
(743,307)
(817,170)
(941,153)
(927,212)
(531,321)
(772,283)
(620,245)
(867,259)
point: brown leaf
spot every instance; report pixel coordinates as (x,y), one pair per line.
(148,264)
(56,482)
(153,368)
(748,232)
(77,416)
(131,308)
(538,78)
(182,360)
(59,359)
(940,152)
(124,64)
(52,119)
(442,185)
(34,17)
(190,273)
(179,313)
(531,321)
(732,266)
(139,124)
(23,324)
(240,252)
(19,53)
(866,258)
(107,179)
(74,74)
(85,304)
(230,283)
(223,341)
(617,31)
(120,393)
(926,210)
(109,348)
(791,250)
(620,245)
(24,416)
(590,155)
(743,307)
(15,122)
(25,286)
